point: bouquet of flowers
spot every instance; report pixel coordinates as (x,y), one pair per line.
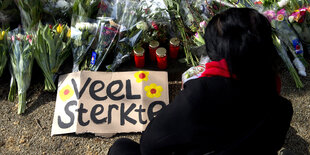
(3,49)
(298,21)
(129,34)
(51,50)
(30,12)
(155,21)
(21,57)
(283,54)
(83,33)
(174,9)
(105,43)
(289,37)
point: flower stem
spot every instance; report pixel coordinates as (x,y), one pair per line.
(21,102)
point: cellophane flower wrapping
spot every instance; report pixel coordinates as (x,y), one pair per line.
(52,48)
(287,34)
(21,58)
(281,49)
(107,36)
(30,13)
(4,47)
(83,33)
(298,21)
(155,22)
(57,11)
(86,8)
(129,34)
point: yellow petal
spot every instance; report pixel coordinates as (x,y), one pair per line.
(147,88)
(66,93)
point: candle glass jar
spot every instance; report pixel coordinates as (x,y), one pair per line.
(139,57)
(161,57)
(153,46)
(174,48)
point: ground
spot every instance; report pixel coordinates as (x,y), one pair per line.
(30,133)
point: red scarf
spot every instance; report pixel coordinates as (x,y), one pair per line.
(217,68)
(220,68)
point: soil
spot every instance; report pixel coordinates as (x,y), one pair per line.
(30,133)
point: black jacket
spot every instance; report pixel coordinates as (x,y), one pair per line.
(217,115)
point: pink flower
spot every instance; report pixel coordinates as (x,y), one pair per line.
(270,14)
(30,41)
(203,24)
(13,38)
(281,12)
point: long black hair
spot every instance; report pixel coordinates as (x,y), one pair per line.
(243,37)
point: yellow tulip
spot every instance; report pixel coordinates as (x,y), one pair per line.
(2,35)
(69,33)
(59,28)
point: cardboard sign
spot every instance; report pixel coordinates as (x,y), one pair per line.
(106,103)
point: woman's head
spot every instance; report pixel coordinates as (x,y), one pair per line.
(242,36)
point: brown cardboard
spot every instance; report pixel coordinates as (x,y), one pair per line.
(109,102)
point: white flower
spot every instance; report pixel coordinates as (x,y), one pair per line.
(291,19)
(86,26)
(62,4)
(282,3)
(142,25)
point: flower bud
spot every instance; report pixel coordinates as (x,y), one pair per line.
(59,28)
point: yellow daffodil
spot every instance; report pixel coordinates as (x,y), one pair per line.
(66,93)
(59,28)
(153,90)
(141,76)
(2,35)
(69,33)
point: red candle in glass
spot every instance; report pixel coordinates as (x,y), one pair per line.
(153,46)
(161,57)
(174,48)
(139,57)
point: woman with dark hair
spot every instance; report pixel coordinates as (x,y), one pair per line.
(234,107)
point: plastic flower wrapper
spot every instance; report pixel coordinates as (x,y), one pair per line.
(299,23)
(129,35)
(86,8)
(155,23)
(52,48)
(30,12)
(174,9)
(21,57)
(59,10)
(4,47)
(196,71)
(105,43)
(281,48)
(288,35)
(83,33)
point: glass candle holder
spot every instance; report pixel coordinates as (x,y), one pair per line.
(139,57)
(174,48)
(153,46)
(161,57)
